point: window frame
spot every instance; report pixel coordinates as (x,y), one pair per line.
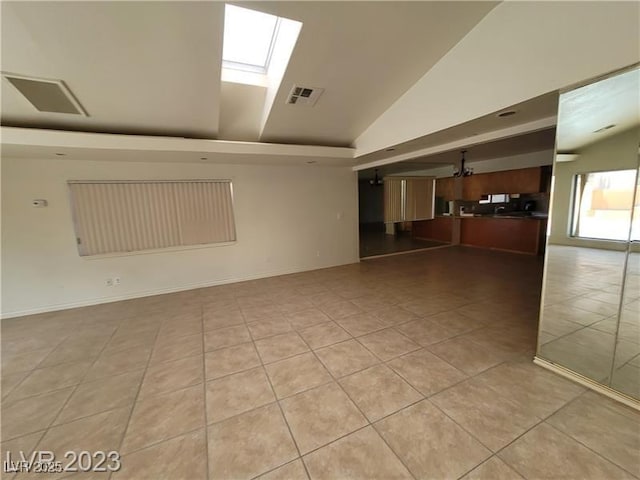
(250,67)
(575,203)
(150,251)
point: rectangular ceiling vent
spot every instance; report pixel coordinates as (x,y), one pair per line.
(307,96)
(46,95)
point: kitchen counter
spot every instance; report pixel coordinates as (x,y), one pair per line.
(513,233)
(523,234)
(539,216)
(536,216)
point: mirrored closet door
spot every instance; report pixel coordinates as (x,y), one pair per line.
(590,317)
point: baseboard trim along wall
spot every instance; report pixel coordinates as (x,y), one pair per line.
(586,382)
(288,219)
(161,291)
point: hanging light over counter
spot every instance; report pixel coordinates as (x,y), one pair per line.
(376,181)
(462,171)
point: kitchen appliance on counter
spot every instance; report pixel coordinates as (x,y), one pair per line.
(529,206)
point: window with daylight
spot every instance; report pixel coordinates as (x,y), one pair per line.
(603,204)
(249,38)
(132,216)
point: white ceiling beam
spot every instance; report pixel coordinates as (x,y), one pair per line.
(104,141)
(464,142)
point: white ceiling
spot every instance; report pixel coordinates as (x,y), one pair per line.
(136,67)
(583,111)
(508,147)
(241,108)
(365,55)
(153,68)
(541,107)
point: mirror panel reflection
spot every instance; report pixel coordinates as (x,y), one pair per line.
(589,318)
(626,373)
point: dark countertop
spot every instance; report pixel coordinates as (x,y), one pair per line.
(537,216)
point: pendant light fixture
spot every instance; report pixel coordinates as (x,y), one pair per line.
(376,181)
(462,171)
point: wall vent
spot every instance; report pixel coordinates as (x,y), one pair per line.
(46,95)
(307,96)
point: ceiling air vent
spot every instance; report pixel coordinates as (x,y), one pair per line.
(307,96)
(46,95)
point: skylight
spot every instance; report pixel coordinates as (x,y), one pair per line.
(249,37)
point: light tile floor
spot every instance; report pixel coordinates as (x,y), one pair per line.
(580,327)
(414,366)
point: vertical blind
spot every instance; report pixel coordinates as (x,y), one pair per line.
(393,200)
(408,199)
(420,198)
(129,216)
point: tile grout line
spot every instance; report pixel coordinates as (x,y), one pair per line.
(493,455)
(37,367)
(408,353)
(158,442)
(137,395)
(75,388)
(377,363)
(468,432)
(28,372)
(277,401)
(204,395)
(111,375)
(585,446)
(540,422)
(369,423)
(133,405)
(290,462)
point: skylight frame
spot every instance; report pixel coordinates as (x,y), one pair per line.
(249,67)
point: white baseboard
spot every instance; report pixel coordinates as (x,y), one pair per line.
(160,291)
(587,382)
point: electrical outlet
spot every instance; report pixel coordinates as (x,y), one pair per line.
(109,282)
(116,280)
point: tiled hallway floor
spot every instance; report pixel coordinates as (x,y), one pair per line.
(414,366)
(377,242)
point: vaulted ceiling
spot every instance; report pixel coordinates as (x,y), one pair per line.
(154,68)
(403,80)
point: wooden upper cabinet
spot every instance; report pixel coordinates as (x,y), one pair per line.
(444,188)
(475,186)
(525,180)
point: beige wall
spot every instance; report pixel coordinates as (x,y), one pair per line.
(519,51)
(618,152)
(288,219)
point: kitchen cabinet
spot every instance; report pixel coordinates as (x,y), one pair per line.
(444,188)
(440,228)
(521,235)
(524,180)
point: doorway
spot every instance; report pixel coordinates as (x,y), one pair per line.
(376,238)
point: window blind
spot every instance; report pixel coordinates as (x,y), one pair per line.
(420,198)
(408,199)
(130,216)
(393,200)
